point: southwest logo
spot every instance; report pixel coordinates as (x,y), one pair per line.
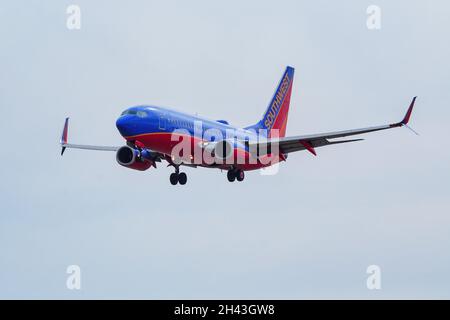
(277,102)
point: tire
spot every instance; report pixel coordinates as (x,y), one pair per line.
(231,175)
(182,178)
(240,175)
(173,179)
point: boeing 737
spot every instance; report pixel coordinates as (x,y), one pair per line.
(154,134)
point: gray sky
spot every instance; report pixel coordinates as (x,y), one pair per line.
(308,232)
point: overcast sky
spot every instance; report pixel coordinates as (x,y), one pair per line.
(309,231)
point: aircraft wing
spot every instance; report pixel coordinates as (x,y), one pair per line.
(309,142)
(157,157)
(65,145)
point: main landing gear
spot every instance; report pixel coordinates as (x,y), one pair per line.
(235,174)
(178,177)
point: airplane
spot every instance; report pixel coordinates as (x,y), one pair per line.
(152,134)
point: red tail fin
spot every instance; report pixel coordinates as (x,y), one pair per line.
(276,115)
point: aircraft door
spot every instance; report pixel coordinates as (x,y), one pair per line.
(162,121)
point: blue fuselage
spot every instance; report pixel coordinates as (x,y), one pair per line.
(146,120)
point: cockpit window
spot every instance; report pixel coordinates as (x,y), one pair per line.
(129,112)
(141,114)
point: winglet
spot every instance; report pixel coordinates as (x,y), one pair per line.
(65,131)
(408,113)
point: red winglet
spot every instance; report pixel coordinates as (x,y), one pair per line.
(65,131)
(63,140)
(408,113)
(308,146)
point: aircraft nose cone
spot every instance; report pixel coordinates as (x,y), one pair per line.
(123,126)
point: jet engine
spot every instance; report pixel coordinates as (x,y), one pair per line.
(134,158)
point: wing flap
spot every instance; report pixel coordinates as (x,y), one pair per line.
(316,144)
(89,147)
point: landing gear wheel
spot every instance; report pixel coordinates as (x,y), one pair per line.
(240,175)
(231,175)
(182,178)
(174,178)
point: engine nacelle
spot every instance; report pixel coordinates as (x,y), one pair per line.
(133,158)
